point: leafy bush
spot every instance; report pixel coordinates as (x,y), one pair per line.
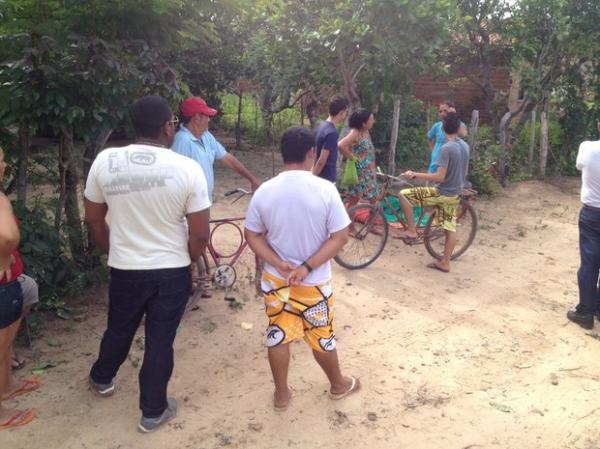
(484,161)
(45,255)
(560,160)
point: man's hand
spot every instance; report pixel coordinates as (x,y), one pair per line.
(254,185)
(5,267)
(284,268)
(409,174)
(297,275)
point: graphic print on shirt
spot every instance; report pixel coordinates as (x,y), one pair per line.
(134,172)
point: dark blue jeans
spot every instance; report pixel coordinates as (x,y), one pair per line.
(161,295)
(589,249)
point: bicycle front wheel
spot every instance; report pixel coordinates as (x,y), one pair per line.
(466,228)
(367,238)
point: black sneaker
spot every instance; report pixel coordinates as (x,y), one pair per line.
(103,390)
(148,425)
(583,319)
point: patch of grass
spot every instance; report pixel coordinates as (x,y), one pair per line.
(521,230)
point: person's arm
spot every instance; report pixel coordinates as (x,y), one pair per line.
(438,176)
(345,145)
(431,138)
(332,246)
(263,250)
(199,232)
(9,237)
(9,231)
(234,164)
(318,168)
(95,217)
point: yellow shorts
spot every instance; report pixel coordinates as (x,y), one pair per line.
(299,312)
(446,206)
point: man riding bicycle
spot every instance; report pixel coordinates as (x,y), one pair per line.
(450,176)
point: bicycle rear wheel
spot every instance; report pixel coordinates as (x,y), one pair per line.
(368,236)
(466,228)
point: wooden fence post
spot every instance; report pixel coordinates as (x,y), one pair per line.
(544,137)
(394,137)
(532,142)
(473,131)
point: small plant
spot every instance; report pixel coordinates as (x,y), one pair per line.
(521,230)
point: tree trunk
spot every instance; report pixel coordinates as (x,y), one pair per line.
(238,123)
(503,134)
(69,197)
(473,131)
(531,143)
(312,113)
(24,136)
(544,137)
(394,136)
(92,148)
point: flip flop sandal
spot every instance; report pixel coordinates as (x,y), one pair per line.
(409,240)
(17,364)
(437,267)
(28,386)
(353,388)
(286,406)
(19,419)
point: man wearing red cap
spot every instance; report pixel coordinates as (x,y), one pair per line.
(195,141)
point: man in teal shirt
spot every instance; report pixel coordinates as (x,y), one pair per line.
(436,137)
(193,140)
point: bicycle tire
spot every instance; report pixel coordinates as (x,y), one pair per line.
(203,271)
(368,234)
(434,241)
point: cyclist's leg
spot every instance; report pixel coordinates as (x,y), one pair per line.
(415,196)
(447,211)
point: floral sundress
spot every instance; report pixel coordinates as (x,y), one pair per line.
(367,187)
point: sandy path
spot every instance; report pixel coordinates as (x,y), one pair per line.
(480,358)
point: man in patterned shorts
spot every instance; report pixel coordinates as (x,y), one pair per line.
(296,223)
(450,174)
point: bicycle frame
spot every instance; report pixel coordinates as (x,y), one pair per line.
(233,257)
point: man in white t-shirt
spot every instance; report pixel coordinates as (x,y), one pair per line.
(159,214)
(588,161)
(296,223)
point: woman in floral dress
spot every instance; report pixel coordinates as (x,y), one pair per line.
(358,144)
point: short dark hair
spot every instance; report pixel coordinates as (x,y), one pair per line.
(359,118)
(451,123)
(296,142)
(148,116)
(449,103)
(337,104)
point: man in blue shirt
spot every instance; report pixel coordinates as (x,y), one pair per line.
(326,136)
(436,137)
(193,140)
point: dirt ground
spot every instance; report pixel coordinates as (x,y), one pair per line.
(483,357)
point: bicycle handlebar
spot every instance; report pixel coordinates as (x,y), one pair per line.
(238,190)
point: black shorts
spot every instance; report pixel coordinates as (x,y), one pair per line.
(11,303)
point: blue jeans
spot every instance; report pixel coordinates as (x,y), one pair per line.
(161,295)
(589,249)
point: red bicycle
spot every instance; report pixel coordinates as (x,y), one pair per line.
(226,245)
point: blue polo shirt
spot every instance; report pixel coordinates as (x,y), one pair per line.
(204,151)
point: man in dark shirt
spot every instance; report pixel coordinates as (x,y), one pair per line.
(326,136)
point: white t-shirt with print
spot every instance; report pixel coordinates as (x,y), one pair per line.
(298,212)
(588,161)
(149,190)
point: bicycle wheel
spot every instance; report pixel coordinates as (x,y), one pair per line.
(201,272)
(466,228)
(368,236)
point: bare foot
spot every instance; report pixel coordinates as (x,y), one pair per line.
(281,400)
(440,265)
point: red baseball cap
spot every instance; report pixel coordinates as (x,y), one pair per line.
(196,105)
